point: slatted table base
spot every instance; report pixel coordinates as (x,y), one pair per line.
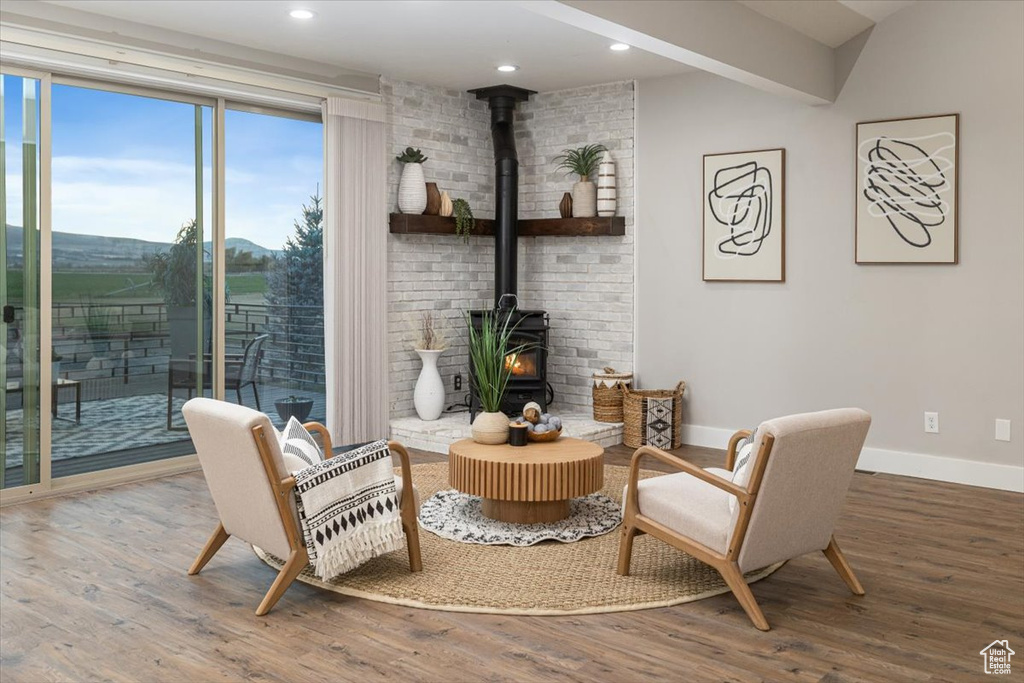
(528,485)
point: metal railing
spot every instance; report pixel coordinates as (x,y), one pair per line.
(132,341)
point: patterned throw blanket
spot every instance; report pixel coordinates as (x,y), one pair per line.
(348,509)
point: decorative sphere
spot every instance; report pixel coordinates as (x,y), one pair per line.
(540,429)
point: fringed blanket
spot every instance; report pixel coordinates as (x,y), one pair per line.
(348,509)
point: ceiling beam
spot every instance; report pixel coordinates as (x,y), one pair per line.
(721,37)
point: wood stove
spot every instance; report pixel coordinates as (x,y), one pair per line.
(529,380)
(529,370)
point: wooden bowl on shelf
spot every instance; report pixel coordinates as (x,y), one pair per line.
(542,438)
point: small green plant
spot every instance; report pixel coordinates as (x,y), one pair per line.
(464,220)
(582,161)
(492,357)
(411,156)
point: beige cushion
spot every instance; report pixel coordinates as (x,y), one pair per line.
(688,506)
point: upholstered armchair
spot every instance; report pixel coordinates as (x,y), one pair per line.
(252,491)
(782,503)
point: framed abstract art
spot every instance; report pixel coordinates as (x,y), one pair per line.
(744,216)
(907,190)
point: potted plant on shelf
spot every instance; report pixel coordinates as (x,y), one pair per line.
(464,221)
(412,188)
(583,162)
(298,407)
(428,397)
(490,349)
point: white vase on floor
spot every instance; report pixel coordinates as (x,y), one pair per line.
(428,398)
(412,189)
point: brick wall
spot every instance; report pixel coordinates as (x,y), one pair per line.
(585,283)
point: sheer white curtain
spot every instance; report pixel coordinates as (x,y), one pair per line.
(355,269)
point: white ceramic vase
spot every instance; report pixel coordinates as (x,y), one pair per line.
(412,189)
(606,186)
(490,428)
(428,398)
(584,199)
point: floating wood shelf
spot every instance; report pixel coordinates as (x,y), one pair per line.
(418,224)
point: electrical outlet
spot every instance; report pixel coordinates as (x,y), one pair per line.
(931,423)
(457,381)
(1002,430)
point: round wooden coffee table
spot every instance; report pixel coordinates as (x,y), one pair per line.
(529,484)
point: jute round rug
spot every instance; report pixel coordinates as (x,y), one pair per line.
(549,578)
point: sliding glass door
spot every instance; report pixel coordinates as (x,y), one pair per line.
(274,311)
(20,247)
(128,212)
(132,292)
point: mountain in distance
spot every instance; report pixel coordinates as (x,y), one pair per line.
(85,252)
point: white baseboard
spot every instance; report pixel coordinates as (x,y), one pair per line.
(921,465)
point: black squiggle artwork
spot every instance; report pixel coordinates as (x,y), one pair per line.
(904,184)
(741,200)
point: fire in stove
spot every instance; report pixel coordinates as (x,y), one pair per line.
(521,364)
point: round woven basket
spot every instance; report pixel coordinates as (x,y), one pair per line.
(607,394)
(634,411)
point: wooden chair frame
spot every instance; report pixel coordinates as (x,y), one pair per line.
(297,556)
(634,523)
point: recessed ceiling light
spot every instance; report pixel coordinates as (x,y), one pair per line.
(508,67)
(301,14)
(619,47)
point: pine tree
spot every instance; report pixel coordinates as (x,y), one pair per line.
(295,294)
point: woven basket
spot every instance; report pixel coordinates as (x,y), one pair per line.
(607,391)
(634,409)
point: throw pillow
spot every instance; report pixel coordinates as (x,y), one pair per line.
(298,447)
(741,470)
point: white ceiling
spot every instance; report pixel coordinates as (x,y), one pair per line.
(452,44)
(826,21)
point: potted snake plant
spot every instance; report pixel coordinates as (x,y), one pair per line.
(492,357)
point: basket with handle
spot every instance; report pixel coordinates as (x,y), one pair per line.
(607,393)
(653,416)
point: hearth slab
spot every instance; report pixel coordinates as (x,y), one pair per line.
(437,435)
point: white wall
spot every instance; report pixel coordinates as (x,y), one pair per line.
(895,340)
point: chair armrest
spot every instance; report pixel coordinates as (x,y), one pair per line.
(406,467)
(730,456)
(325,436)
(632,506)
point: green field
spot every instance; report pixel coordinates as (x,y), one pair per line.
(73,287)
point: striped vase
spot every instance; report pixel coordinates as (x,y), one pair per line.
(606,186)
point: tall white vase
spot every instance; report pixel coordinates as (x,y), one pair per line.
(429,394)
(584,199)
(412,189)
(606,186)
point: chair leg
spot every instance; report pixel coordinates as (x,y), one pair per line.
(256,394)
(210,549)
(626,549)
(238,393)
(412,541)
(734,578)
(297,561)
(170,399)
(842,567)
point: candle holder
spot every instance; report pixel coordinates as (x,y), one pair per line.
(517,434)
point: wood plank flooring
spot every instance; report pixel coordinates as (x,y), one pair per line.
(94,589)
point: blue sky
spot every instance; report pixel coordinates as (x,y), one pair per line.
(124,166)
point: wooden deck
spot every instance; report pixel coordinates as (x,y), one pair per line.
(94,588)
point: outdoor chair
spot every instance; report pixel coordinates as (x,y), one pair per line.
(786,500)
(241,459)
(240,370)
